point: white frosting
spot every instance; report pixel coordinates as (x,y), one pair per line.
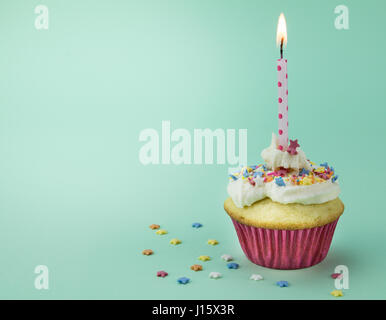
(244,194)
(275,158)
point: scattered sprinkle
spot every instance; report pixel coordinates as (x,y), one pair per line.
(161,232)
(154,226)
(258,174)
(256,277)
(227,257)
(324,165)
(282,283)
(147,252)
(162,274)
(204,258)
(196,267)
(215,275)
(196,225)
(233,177)
(233,265)
(280,182)
(183,280)
(336,275)
(212,242)
(304,172)
(175,241)
(337,293)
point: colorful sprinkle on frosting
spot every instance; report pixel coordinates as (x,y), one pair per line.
(283,176)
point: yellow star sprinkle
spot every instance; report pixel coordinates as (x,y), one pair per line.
(161,232)
(307,181)
(320,170)
(175,241)
(204,258)
(337,293)
(212,242)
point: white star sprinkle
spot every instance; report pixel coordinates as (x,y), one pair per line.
(215,275)
(256,277)
(227,257)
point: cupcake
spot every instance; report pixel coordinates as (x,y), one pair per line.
(284,211)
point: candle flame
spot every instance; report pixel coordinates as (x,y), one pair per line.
(281,34)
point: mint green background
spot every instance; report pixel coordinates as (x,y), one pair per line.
(73,99)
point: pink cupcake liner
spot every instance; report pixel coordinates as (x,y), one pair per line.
(285,249)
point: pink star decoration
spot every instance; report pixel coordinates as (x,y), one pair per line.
(292,147)
(162,274)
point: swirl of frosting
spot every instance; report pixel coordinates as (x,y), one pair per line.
(275,158)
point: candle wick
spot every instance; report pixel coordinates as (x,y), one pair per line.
(281,48)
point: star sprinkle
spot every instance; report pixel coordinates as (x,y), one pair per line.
(336,275)
(162,274)
(292,147)
(196,225)
(334,178)
(204,258)
(183,280)
(258,173)
(337,293)
(320,170)
(304,172)
(282,283)
(147,252)
(233,265)
(215,275)
(212,242)
(324,165)
(196,267)
(175,241)
(256,277)
(280,182)
(233,177)
(154,226)
(161,232)
(227,257)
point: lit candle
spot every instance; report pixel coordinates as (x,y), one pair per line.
(282,83)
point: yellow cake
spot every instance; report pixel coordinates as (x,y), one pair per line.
(292,216)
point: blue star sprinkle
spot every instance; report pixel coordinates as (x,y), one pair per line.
(304,171)
(282,284)
(183,280)
(280,182)
(245,173)
(334,178)
(233,177)
(196,225)
(258,173)
(324,165)
(233,265)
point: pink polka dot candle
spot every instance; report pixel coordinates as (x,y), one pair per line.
(282,85)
